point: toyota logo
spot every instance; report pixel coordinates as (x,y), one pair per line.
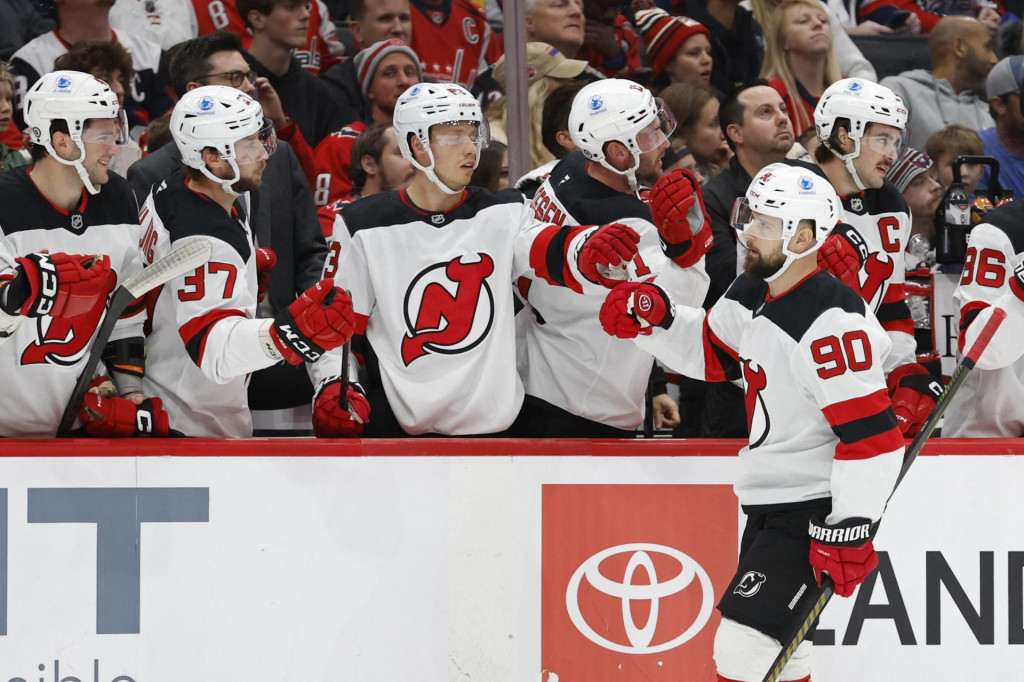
(640,637)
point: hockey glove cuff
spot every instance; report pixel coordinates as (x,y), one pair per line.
(842,254)
(117,417)
(844,551)
(58,284)
(914,392)
(318,321)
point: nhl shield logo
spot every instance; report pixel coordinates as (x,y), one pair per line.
(76,221)
(437,218)
(856,204)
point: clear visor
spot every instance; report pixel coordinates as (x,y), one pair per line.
(886,143)
(455,133)
(107,131)
(659,130)
(256,148)
(748,223)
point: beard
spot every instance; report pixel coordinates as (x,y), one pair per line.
(763,267)
(244,185)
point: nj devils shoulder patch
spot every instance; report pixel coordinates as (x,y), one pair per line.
(449,308)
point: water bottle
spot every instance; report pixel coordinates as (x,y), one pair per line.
(951,237)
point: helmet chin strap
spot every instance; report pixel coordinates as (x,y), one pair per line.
(791,257)
(83,174)
(629,173)
(848,161)
(225,184)
(432,176)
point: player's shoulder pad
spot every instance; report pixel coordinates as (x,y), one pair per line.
(889,199)
(748,292)
(186,213)
(807,165)
(119,196)
(589,201)
(1010,219)
(798,310)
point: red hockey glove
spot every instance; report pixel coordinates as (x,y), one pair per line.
(266,259)
(114,417)
(59,284)
(914,392)
(610,246)
(632,308)
(331,421)
(842,254)
(677,210)
(318,321)
(844,551)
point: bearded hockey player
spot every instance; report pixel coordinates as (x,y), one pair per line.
(988,404)
(68,201)
(824,449)
(861,126)
(564,359)
(206,337)
(430,269)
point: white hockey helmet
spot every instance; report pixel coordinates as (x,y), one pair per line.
(426,105)
(72,97)
(787,195)
(616,110)
(861,102)
(219,117)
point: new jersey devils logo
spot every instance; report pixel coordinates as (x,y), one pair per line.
(758,422)
(449,308)
(750,584)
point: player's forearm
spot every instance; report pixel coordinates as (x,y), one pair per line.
(687,286)
(861,487)
(236,346)
(681,346)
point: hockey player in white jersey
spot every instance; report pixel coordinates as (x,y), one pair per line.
(205,337)
(824,449)
(578,381)
(68,201)
(430,269)
(989,403)
(861,126)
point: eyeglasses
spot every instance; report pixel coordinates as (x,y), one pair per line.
(233,77)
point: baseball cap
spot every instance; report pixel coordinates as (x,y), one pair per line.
(911,164)
(1005,77)
(542,60)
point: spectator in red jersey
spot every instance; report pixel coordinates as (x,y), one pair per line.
(557,22)
(385,70)
(610,43)
(453,39)
(678,49)
(279,27)
(9,158)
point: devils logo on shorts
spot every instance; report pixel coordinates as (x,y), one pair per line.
(449,308)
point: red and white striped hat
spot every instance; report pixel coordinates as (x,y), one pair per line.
(664,34)
(367,61)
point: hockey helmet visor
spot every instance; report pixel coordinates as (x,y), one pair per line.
(887,140)
(748,222)
(455,133)
(659,130)
(107,131)
(258,146)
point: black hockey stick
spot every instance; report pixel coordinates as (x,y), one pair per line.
(343,395)
(823,593)
(182,259)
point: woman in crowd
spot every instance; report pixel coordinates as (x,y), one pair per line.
(678,49)
(696,112)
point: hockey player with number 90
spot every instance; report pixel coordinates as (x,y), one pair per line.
(206,338)
(824,449)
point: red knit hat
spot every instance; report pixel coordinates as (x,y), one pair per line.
(663,35)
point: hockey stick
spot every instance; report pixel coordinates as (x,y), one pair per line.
(827,588)
(343,395)
(184,258)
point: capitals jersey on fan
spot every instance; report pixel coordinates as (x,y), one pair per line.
(453,41)
(147,100)
(45,356)
(205,339)
(817,405)
(880,219)
(432,292)
(989,403)
(565,358)
(334,162)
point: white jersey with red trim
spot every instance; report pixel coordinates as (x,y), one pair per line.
(817,404)
(453,41)
(989,403)
(205,339)
(164,22)
(881,218)
(433,294)
(45,356)
(565,358)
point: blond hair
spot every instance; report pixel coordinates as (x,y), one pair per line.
(770,14)
(497,118)
(6,73)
